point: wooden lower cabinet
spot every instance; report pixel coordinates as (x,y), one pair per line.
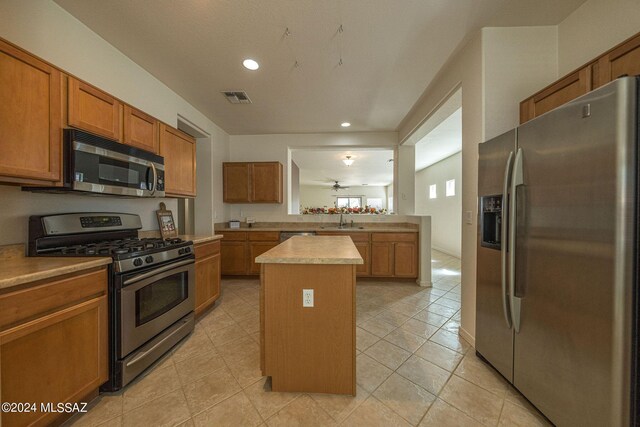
(59,355)
(207,275)
(394,255)
(382,259)
(256,249)
(405,256)
(362,242)
(240,249)
(234,256)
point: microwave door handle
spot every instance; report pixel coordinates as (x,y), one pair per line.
(152,187)
(504,233)
(516,180)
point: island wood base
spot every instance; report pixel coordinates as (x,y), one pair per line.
(309,349)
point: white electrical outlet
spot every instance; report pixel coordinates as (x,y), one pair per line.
(307,297)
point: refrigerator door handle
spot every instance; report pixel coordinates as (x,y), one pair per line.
(516,180)
(504,233)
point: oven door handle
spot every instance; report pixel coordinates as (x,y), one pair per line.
(156,271)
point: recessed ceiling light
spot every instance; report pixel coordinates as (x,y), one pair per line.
(345,124)
(250,64)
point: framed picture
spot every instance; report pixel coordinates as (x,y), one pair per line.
(165,222)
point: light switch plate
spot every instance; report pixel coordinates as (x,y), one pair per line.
(468,217)
(307,297)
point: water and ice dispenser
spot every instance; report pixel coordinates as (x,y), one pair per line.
(491,221)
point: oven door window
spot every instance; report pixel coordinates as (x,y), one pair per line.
(160,296)
(96,169)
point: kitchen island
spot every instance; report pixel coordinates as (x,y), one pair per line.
(308,316)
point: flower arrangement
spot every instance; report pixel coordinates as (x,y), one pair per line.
(335,210)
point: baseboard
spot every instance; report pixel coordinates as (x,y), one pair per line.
(467,337)
(425,283)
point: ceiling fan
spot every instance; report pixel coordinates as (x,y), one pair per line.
(337,186)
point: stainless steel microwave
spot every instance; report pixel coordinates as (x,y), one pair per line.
(95,165)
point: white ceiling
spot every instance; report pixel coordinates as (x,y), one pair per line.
(443,141)
(391,51)
(323,167)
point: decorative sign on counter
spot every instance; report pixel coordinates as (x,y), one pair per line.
(165,222)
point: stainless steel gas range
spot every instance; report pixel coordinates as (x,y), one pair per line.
(151,287)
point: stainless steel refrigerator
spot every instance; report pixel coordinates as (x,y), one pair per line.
(558,258)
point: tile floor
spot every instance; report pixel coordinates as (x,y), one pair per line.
(412,369)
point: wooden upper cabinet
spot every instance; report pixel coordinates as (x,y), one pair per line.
(140,130)
(179,152)
(623,60)
(30,118)
(93,110)
(236,184)
(266,186)
(254,182)
(561,92)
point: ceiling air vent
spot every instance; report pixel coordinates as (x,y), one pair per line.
(237,97)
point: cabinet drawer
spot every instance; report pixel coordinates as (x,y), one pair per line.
(207,249)
(258,236)
(39,300)
(234,236)
(394,237)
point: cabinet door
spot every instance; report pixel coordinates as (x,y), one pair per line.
(256,249)
(382,259)
(235,182)
(93,110)
(233,258)
(207,282)
(60,357)
(405,259)
(624,60)
(30,118)
(561,92)
(179,152)
(266,182)
(140,130)
(363,269)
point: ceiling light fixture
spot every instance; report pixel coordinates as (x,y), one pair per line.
(345,124)
(250,64)
(348,161)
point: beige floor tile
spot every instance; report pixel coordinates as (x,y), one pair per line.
(153,385)
(439,355)
(452,341)
(455,305)
(405,340)
(168,410)
(377,327)
(427,375)
(472,400)
(365,339)
(234,411)
(217,318)
(198,366)
(304,411)
(516,416)
(514,396)
(373,413)
(339,406)
(209,390)
(256,337)
(431,318)
(268,402)
(369,373)
(246,370)
(197,343)
(240,311)
(106,408)
(388,354)
(392,317)
(250,324)
(239,348)
(442,414)
(368,309)
(452,326)
(405,398)
(441,309)
(113,422)
(481,374)
(407,309)
(221,336)
(188,423)
(419,328)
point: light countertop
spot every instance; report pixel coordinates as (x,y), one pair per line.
(362,227)
(200,238)
(313,250)
(17,269)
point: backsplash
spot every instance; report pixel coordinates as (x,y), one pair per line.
(17,205)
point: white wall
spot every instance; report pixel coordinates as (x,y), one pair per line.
(445,212)
(594,28)
(318,196)
(46,30)
(277,147)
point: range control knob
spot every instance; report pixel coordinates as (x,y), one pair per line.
(149,259)
(187,250)
(181,251)
(137,262)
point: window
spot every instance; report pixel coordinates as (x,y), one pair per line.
(450,188)
(432,191)
(374,202)
(349,202)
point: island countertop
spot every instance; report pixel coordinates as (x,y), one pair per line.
(313,250)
